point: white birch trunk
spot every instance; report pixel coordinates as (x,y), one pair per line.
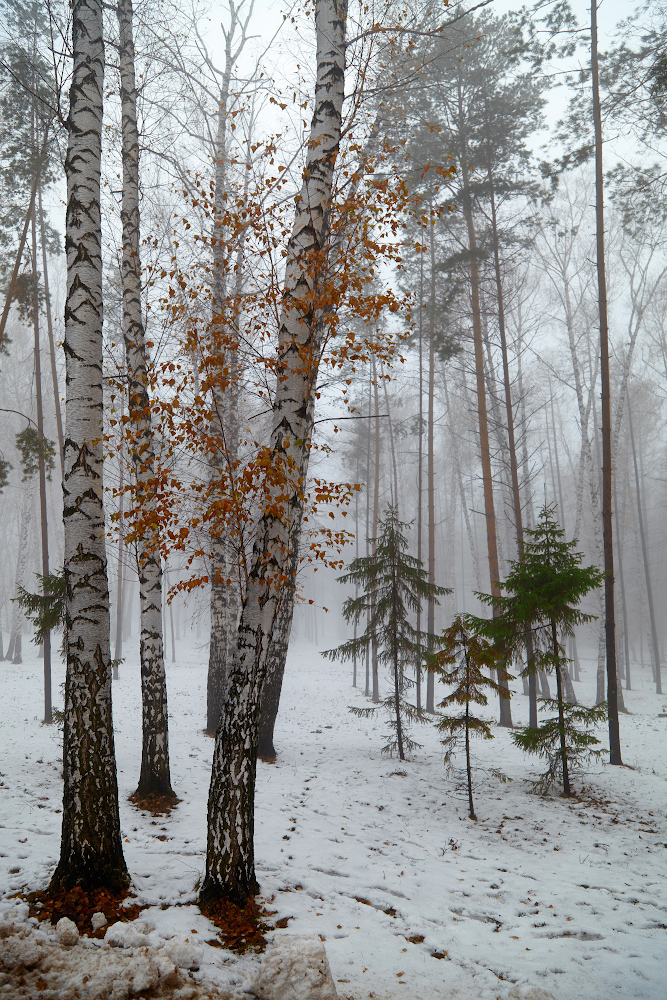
(230,869)
(154,778)
(224,424)
(91,848)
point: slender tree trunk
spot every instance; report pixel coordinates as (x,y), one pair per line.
(15,635)
(420,472)
(610,623)
(471,807)
(230,868)
(154,778)
(91,851)
(561,716)
(514,467)
(223,453)
(367,686)
(376,520)
(394,656)
(19,253)
(44,533)
(52,345)
(120,582)
(430,471)
(487,479)
(655,649)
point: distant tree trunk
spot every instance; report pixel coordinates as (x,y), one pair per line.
(91,853)
(376,520)
(44,532)
(610,622)
(224,423)
(624,605)
(395,660)
(16,632)
(561,717)
(487,478)
(154,778)
(230,867)
(420,471)
(367,686)
(655,649)
(430,470)
(275,671)
(120,583)
(52,346)
(514,467)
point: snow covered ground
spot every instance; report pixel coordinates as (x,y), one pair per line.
(378,856)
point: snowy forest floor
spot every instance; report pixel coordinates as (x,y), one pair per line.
(375,855)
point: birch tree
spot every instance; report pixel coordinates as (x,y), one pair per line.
(154,778)
(230,869)
(91,852)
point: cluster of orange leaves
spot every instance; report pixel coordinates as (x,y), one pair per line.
(220,347)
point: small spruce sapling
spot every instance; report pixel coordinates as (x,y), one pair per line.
(545,591)
(394,584)
(468,654)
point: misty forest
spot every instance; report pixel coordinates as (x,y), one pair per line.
(333,383)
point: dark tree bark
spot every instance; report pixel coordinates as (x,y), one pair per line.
(487,477)
(44,526)
(655,648)
(607,532)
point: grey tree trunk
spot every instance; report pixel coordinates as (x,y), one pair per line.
(607,531)
(16,633)
(43,519)
(154,778)
(91,852)
(230,867)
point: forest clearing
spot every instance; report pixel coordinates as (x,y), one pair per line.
(378,856)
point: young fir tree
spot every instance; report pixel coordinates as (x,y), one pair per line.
(394,584)
(545,591)
(469,654)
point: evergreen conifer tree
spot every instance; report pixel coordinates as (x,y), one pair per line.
(394,584)
(545,591)
(469,654)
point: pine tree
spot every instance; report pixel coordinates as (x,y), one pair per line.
(544,591)
(394,585)
(470,654)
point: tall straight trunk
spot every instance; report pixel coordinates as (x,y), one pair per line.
(16,631)
(392,448)
(471,807)
(561,715)
(224,601)
(655,649)
(19,253)
(52,345)
(120,581)
(420,471)
(44,524)
(511,443)
(610,622)
(356,589)
(154,778)
(230,866)
(376,520)
(394,656)
(487,478)
(624,605)
(91,852)
(367,685)
(430,470)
